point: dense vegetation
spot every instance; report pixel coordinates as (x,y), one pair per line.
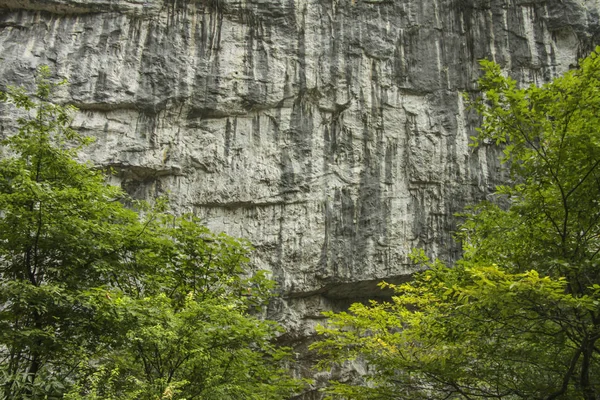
(518,317)
(101,301)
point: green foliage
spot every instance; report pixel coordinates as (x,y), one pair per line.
(473,331)
(104,302)
(519,316)
(551,141)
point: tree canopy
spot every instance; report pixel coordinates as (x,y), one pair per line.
(518,317)
(101,301)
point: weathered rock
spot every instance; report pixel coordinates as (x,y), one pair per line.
(331,133)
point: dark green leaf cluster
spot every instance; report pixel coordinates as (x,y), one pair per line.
(99,301)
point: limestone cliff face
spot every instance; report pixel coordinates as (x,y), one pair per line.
(331,133)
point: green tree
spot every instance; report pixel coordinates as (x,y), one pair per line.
(99,301)
(518,317)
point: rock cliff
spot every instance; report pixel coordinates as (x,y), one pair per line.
(331,133)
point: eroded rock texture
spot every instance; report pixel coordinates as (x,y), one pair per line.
(331,133)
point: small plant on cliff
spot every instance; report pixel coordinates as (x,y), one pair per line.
(98,301)
(519,316)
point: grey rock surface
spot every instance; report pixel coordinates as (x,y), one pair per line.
(331,133)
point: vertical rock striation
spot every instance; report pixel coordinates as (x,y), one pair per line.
(331,133)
